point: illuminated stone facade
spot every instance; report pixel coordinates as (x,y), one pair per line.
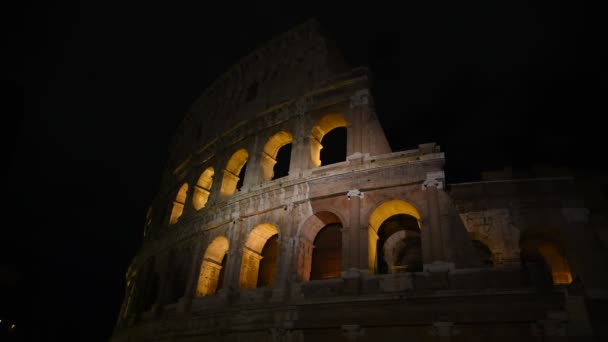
(373,246)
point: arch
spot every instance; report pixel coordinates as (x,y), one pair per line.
(211,273)
(329,247)
(261,243)
(178,203)
(202,189)
(323,126)
(270,152)
(546,246)
(383,212)
(232,172)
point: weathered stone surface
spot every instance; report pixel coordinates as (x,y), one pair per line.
(208,272)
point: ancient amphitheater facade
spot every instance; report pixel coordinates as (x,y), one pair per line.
(258,234)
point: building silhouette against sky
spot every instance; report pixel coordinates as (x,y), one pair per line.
(285,215)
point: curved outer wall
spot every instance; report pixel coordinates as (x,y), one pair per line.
(192,278)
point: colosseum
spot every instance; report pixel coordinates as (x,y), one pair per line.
(284,215)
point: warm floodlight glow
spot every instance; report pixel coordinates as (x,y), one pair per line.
(380,214)
(208,281)
(326,124)
(252,253)
(178,204)
(232,171)
(202,189)
(271,149)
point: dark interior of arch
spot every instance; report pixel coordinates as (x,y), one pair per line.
(389,227)
(327,254)
(281,168)
(268,264)
(483,253)
(409,256)
(537,271)
(239,184)
(334,146)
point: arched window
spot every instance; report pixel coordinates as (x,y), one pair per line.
(202,189)
(260,254)
(337,152)
(320,247)
(273,166)
(178,204)
(234,172)
(212,267)
(394,238)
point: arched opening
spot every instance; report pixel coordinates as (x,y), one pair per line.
(337,152)
(484,254)
(234,172)
(543,253)
(212,267)
(262,243)
(320,247)
(334,146)
(202,189)
(276,156)
(268,263)
(178,204)
(394,238)
(327,253)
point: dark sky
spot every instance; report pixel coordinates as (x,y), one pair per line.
(104,87)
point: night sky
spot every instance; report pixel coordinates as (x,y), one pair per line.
(99,91)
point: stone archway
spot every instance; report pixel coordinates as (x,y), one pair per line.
(261,243)
(271,150)
(399,210)
(325,230)
(324,126)
(232,172)
(210,277)
(202,189)
(178,204)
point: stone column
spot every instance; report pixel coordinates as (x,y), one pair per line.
(433,182)
(253,174)
(300,154)
(192,278)
(195,267)
(352,244)
(234,257)
(284,271)
(304,259)
(365,129)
